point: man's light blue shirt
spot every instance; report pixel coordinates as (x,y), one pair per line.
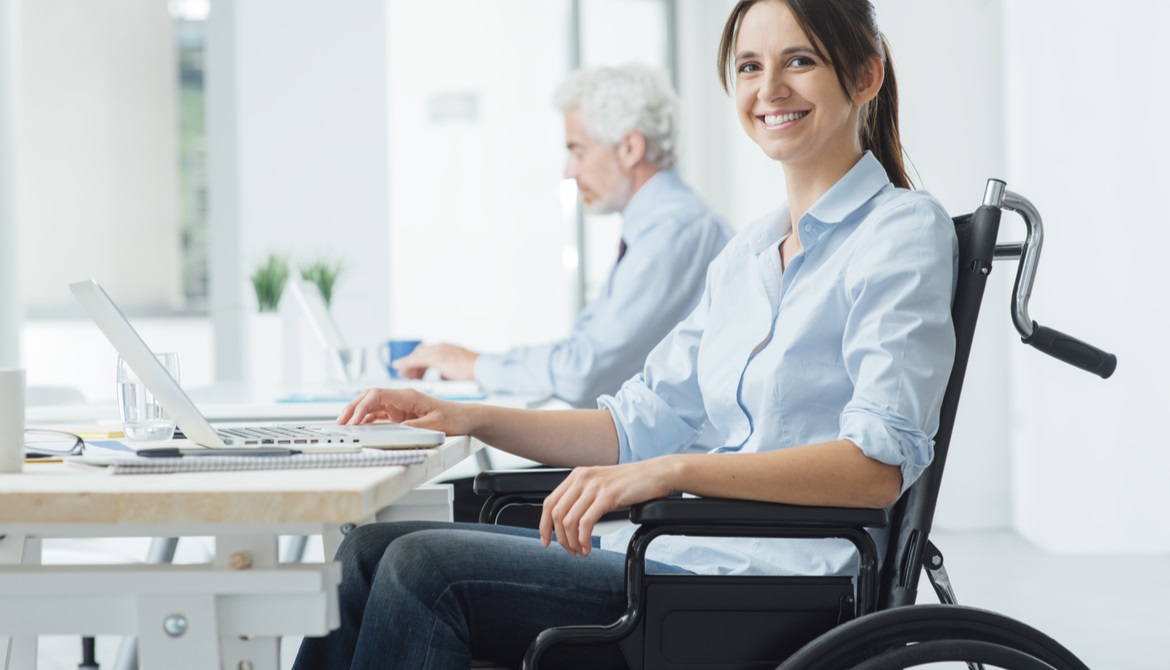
(853,340)
(671,236)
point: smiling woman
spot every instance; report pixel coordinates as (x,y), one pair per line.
(852,274)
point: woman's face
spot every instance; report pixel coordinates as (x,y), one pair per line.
(788,98)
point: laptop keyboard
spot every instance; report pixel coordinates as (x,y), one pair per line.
(285,435)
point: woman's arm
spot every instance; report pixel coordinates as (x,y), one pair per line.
(562,437)
(831,474)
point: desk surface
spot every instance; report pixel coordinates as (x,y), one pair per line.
(55,493)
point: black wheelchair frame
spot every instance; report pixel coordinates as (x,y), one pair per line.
(870,623)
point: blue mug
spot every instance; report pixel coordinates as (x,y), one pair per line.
(392,350)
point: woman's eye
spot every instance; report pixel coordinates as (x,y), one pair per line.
(801,62)
(748,67)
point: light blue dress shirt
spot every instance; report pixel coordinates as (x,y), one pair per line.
(853,340)
(671,236)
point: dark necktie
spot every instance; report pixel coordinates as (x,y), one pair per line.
(621,250)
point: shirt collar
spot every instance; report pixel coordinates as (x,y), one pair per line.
(863,181)
(638,214)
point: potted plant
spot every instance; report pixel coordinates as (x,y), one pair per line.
(324,274)
(268,280)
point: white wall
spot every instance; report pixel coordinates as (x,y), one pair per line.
(99,159)
(476,158)
(1086,108)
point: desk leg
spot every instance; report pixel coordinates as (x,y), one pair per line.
(257,551)
(181,633)
(19,652)
(162,550)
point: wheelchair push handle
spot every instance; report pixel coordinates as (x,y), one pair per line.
(1071,350)
(1048,340)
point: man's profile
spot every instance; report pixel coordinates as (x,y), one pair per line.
(620,130)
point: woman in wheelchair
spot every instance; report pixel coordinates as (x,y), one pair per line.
(819,352)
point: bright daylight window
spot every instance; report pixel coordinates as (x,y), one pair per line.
(190,18)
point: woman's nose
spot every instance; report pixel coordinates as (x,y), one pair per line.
(774,87)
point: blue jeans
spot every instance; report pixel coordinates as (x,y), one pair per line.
(422,595)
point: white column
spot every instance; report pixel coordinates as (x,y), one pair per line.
(297,157)
(10,297)
(223,154)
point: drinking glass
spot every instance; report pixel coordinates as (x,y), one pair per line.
(143,418)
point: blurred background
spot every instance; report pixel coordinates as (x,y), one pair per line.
(166,148)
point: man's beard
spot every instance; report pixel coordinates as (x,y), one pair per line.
(612,202)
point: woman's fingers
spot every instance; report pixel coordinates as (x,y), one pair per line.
(572,511)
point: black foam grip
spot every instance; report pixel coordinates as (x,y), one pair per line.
(1072,351)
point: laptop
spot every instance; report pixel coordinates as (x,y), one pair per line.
(306,437)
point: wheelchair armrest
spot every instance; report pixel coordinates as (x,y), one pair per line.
(519,482)
(702,511)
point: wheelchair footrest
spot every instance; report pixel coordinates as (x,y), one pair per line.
(707,623)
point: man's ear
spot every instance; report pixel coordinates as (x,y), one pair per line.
(870,82)
(631,149)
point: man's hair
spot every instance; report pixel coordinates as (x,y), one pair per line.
(614,100)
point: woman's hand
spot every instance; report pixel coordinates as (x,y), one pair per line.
(574,507)
(409,408)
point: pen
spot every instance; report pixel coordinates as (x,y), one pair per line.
(175,452)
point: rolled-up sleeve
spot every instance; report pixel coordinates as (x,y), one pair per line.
(899,343)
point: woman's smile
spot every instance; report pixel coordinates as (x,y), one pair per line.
(782,120)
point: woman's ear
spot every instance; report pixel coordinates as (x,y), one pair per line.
(870,82)
(631,149)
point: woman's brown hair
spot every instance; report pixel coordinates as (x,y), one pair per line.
(847,30)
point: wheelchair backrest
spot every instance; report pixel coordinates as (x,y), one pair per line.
(912,516)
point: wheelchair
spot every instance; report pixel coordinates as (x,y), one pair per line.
(868,621)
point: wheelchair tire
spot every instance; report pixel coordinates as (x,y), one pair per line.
(968,651)
(852,643)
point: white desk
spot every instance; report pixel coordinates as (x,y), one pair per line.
(194,617)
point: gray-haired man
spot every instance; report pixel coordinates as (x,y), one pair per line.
(620,129)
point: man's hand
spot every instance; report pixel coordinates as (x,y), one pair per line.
(451,361)
(410,408)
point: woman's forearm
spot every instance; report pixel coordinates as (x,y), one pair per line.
(564,438)
(832,474)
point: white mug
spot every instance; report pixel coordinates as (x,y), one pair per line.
(11,420)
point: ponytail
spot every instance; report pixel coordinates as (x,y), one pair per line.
(879,125)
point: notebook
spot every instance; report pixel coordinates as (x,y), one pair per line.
(128,464)
(306,437)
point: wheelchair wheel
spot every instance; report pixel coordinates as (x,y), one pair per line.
(890,631)
(968,651)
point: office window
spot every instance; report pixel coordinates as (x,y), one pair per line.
(190,17)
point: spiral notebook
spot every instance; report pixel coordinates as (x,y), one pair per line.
(137,465)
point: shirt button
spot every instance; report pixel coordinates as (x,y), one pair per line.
(808,227)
